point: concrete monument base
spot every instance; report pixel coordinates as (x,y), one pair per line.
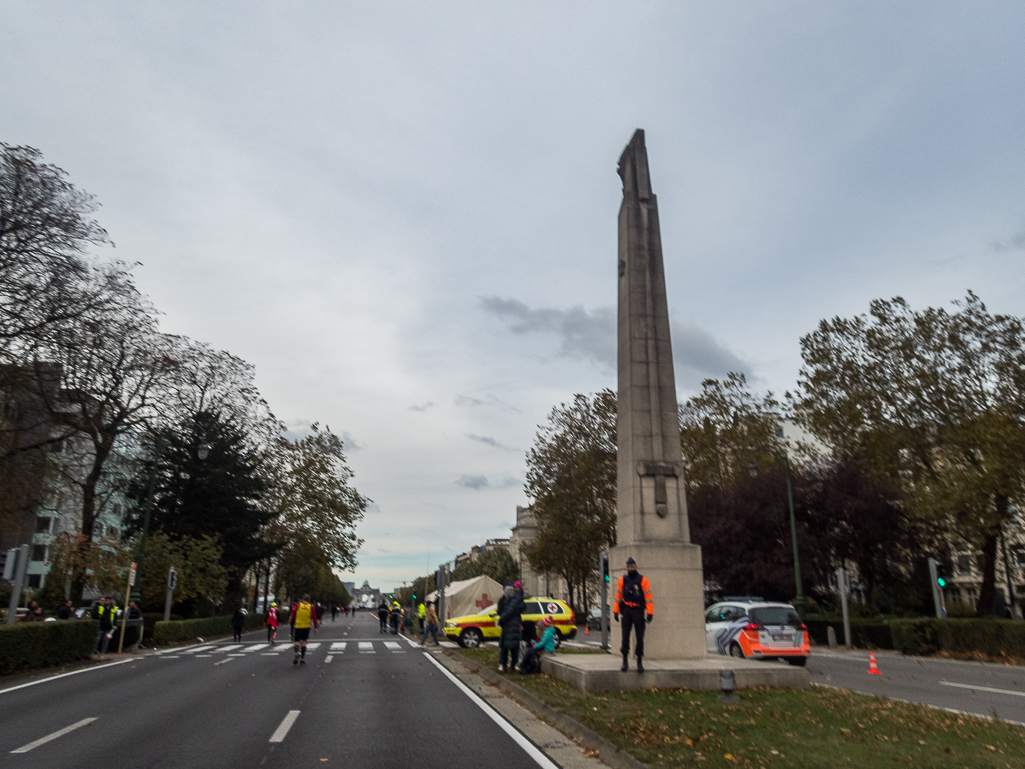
(674,571)
(600,673)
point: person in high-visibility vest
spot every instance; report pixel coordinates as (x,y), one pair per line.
(305,617)
(634,602)
(421,613)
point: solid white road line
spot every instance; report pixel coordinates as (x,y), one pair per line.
(65,675)
(528,747)
(286,724)
(55,735)
(339,646)
(328,658)
(983,688)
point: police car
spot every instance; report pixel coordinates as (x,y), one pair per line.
(756,629)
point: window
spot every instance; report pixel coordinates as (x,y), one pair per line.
(532,607)
(35,580)
(39,552)
(43,525)
(964,564)
(1018,556)
(712,615)
(775,615)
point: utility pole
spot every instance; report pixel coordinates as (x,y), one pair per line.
(842,586)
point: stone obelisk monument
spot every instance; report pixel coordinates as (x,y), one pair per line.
(651,504)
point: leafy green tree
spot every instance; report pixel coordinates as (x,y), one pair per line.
(220,496)
(726,427)
(934,400)
(497,564)
(571,477)
(310,488)
(198,563)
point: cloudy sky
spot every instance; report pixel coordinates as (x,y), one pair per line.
(404,214)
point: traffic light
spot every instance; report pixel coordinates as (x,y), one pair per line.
(414,596)
(605,567)
(941,575)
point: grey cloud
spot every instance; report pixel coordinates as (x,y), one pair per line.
(421,407)
(490,400)
(582,334)
(1014,243)
(508,481)
(489,441)
(591,335)
(473,481)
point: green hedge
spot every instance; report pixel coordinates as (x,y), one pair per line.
(995,637)
(208,627)
(40,644)
(865,633)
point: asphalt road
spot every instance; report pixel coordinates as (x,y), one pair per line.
(972,687)
(378,701)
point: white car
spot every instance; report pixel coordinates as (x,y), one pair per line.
(756,629)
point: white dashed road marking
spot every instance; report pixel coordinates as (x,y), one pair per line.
(286,724)
(328,658)
(55,735)
(225,661)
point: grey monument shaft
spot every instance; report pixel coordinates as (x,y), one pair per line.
(651,502)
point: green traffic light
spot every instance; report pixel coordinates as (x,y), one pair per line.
(941,582)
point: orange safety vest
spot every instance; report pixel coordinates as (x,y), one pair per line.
(634,601)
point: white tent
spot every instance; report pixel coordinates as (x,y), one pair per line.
(468,596)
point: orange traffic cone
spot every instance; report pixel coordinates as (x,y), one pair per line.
(873,669)
(587,630)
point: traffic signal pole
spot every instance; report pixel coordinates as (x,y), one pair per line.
(936,576)
(603,569)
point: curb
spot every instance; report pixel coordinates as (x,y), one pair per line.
(608,753)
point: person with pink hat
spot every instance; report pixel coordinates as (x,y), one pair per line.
(532,656)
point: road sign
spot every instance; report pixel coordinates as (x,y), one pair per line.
(172,578)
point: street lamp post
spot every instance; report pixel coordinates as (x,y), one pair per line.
(752,469)
(136,594)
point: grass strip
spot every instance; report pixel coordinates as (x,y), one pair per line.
(812,728)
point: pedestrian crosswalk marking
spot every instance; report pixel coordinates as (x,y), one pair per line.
(229,648)
(365,647)
(254,648)
(339,646)
(393,645)
(197,649)
(314,645)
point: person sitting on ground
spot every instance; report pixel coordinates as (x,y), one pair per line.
(532,657)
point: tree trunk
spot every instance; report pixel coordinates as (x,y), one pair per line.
(102,451)
(987,593)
